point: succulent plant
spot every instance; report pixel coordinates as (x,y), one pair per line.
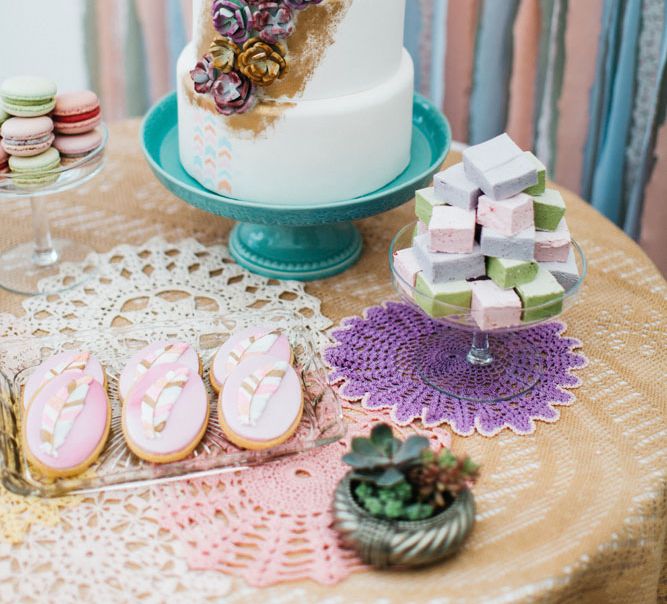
(383,459)
(441,477)
(405,480)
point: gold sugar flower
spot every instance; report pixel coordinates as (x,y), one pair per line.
(262,63)
(224,52)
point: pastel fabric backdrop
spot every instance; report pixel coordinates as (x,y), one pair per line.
(583,83)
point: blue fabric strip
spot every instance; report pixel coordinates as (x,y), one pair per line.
(177,35)
(489,101)
(413,33)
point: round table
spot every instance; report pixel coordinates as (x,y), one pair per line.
(575,511)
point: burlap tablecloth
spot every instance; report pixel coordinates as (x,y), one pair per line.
(575,512)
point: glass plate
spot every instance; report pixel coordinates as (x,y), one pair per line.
(117,467)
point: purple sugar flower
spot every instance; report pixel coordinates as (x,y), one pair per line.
(233,19)
(301,4)
(233,93)
(204,74)
(273,21)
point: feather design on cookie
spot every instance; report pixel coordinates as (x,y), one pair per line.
(160,399)
(60,412)
(76,363)
(169,353)
(257,389)
(257,344)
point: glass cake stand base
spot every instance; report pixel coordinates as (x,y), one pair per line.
(480,372)
(23,267)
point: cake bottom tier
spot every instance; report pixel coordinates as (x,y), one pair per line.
(302,152)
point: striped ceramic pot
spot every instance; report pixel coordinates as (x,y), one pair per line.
(383,543)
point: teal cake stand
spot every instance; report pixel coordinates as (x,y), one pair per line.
(302,242)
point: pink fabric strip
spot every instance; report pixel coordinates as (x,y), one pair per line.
(522,83)
(461,30)
(186,9)
(581,35)
(111,69)
(153,18)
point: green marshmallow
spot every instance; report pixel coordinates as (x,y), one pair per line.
(508,273)
(425,201)
(540,187)
(541,290)
(549,210)
(433,298)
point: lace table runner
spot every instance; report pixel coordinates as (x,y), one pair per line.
(370,349)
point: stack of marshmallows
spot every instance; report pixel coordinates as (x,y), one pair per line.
(491,238)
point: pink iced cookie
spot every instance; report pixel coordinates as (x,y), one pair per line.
(67,424)
(493,307)
(262,339)
(166,414)
(508,216)
(74,360)
(261,403)
(158,353)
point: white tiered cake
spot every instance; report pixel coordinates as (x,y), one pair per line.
(311,104)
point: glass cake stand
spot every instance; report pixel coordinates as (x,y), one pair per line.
(485,369)
(303,242)
(24,267)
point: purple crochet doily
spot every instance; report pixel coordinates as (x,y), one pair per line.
(369,349)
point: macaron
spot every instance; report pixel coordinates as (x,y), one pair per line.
(4,161)
(28,96)
(77,112)
(34,171)
(74,147)
(26,136)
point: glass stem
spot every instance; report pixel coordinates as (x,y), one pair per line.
(44,254)
(479,353)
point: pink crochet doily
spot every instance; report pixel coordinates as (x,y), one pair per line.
(272,523)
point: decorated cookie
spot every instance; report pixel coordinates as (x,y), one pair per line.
(75,360)
(67,424)
(261,403)
(158,353)
(262,339)
(166,413)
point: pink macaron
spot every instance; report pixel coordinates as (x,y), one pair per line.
(27,136)
(75,147)
(4,161)
(77,112)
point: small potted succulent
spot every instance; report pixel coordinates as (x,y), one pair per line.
(404,504)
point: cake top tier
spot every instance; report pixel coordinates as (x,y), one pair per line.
(320,48)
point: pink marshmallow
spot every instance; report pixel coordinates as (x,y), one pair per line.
(452,230)
(407,267)
(493,307)
(508,216)
(553,246)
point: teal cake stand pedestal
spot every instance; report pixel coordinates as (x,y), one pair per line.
(302,242)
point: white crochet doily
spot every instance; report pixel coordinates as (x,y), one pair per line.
(110,547)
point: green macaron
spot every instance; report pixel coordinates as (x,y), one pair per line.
(28,96)
(36,170)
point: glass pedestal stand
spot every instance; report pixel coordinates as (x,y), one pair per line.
(25,267)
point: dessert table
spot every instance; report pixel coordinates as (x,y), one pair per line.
(575,511)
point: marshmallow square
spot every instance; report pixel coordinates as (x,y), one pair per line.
(443,299)
(494,307)
(425,201)
(507,273)
(540,187)
(454,187)
(566,273)
(440,268)
(452,230)
(542,297)
(549,210)
(509,216)
(518,247)
(499,167)
(407,267)
(553,246)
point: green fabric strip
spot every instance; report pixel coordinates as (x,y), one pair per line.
(136,75)
(91,48)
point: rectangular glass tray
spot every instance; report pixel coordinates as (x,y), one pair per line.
(117,467)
